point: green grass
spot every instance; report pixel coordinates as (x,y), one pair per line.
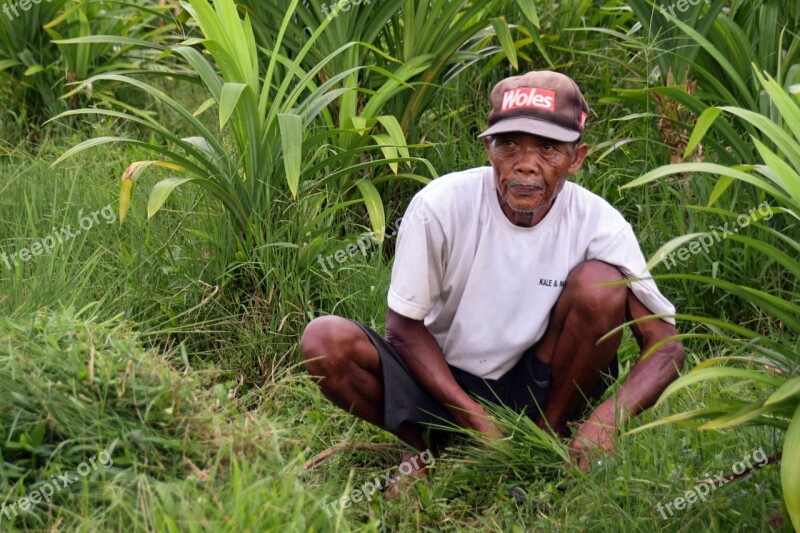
(211,424)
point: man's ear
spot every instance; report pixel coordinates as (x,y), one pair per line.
(487,143)
(580,154)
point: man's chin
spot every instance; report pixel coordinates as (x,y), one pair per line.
(526,204)
(525,209)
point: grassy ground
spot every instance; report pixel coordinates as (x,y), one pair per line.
(136,342)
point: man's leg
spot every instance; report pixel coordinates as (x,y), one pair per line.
(583,313)
(348,366)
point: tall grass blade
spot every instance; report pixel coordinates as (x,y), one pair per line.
(291,127)
(790,469)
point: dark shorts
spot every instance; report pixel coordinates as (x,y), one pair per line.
(525,388)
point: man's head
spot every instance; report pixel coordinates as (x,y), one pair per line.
(533,140)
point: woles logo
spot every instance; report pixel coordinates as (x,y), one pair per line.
(529,97)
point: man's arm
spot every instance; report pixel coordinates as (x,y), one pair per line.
(645,383)
(419,350)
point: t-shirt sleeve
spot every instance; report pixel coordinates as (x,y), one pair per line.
(623,251)
(419,262)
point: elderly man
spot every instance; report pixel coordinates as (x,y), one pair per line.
(502,286)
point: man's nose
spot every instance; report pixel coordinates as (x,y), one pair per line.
(528,161)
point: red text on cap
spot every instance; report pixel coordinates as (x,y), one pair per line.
(529,97)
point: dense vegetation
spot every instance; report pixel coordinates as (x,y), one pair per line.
(174,176)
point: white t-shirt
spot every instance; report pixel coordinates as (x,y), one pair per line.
(485,287)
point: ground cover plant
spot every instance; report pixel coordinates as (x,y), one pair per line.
(154,363)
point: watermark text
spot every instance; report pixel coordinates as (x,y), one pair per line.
(706,240)
(46,244)
(55,484)
(418,462)
(751,461)
(24,5)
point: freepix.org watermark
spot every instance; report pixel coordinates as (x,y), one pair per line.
(706,487)
(369,240)
(54,485)
(342,5)
(46,244)
(369,488)
(24,5)
(705,241)
(681,5)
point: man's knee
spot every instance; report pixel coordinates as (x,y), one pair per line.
(318,344)
(595,291)
(322,342)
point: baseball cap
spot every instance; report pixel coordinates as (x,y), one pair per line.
(544,103)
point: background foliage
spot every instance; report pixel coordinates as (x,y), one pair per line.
(242,144)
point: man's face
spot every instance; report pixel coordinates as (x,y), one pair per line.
(530,171)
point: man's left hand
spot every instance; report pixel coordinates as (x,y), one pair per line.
(593,434)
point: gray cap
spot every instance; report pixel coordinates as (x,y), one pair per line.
(543,103)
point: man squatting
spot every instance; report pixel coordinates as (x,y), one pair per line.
(500,289)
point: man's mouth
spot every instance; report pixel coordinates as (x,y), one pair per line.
(521,187)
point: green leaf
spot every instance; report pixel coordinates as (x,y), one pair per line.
(169,102)
(710,168)
(231,92)
(740,416)
(126,186)
(360,123)
(33,69)
(203,68)
(722,185)
(787,390)
(85,145)
(129,176)
(786,105)
(696,376)
(392,127)
(790,469)
(111,39)
(291,127)
(694,414)
(8,63)
(784,142)
(388,148)
(782,174)
(704,122)
(506,41)
(372,199)
(205,106)
(161,192)
(37,434)
(528,9)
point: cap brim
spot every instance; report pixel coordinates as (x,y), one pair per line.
(534,127)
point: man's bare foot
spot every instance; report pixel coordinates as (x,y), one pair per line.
(412,467)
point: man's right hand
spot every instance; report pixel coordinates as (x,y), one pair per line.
(475,417)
